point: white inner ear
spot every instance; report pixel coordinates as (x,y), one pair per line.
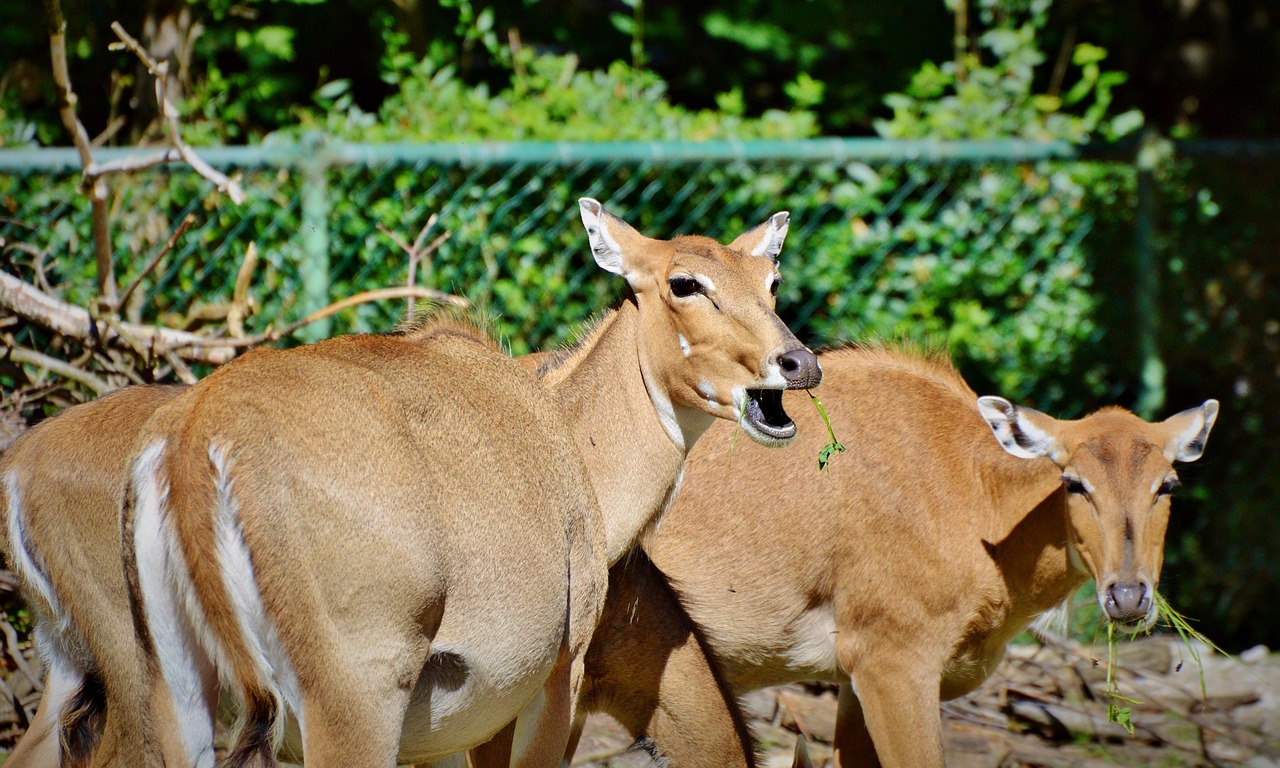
(1016,434)
(604,248)
(774,236)
(1188,445)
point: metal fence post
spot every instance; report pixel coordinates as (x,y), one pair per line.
(1146,283)
(314,269)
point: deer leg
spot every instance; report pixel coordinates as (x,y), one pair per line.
(853,747)
(540,734)
(496,752)
(900,710)
(542,730)
(354,729)
(650,669)
(39,746)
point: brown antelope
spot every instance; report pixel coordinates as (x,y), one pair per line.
(402,535)
(904,570)
(63,486)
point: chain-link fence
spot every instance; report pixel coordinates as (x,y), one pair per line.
(1059,276)
(888,238)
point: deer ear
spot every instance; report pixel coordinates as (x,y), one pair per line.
(615,244)
(765,240)
(604,247)
(1189,431)
(1016,429)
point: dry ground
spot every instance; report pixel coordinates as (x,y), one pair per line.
(1043,707)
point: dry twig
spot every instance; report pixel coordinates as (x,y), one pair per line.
(35,306)
(416,252)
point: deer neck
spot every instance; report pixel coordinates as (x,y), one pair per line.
(632,438)
(1028,537)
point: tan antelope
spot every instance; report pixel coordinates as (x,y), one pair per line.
(904,570)
(396,539)
(63,483)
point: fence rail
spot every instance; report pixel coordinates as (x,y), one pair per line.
(1057,275)
(888,238)
(816,150)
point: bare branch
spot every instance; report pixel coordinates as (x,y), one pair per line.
(134,163)
(111,130)
(160,71)
(364,297)
(180,369)
(80,137)
(241,303)
(169,245)
(15,652)
(416,252)
(59,367)
(186,223)
(38,307)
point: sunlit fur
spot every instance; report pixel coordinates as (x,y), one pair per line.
(903,569)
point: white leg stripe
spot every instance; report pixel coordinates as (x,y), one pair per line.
(61,684)
(527,726)
(164,582)
(24,562)
(274,669)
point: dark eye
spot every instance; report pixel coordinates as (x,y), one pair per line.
(1167,488)
(773,288)
(1074,485)
(683,286)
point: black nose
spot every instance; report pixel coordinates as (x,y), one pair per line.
(1128,602)
(800,368)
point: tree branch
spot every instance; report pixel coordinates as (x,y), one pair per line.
(95,187)
(187,221)
(32,304)
(59,367)
(161,73)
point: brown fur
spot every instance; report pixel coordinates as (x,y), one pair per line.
(421,509)
(69,471)
(903,570)
(734,339)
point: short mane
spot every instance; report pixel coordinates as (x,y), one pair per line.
(927,361)
(437,320)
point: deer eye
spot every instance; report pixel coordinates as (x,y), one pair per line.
(773,287)
(1074,485)
(683,286)
(1167,488)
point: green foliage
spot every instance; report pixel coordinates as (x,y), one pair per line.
(549,98)
(995,96)
(15,130)
(988,260)
(833,445)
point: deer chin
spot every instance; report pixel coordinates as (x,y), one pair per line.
(764,419)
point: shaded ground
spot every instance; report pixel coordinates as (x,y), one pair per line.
(1046,706)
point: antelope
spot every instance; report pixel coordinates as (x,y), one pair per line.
(903,571)
(62,487)
(410,532)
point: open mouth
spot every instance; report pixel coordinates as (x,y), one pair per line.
(765,414)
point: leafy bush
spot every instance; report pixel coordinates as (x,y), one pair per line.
(549,99)
(989,261)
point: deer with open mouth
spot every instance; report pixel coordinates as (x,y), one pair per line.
(414,506)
